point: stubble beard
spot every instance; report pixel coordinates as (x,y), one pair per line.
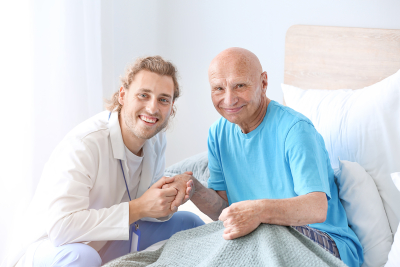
(140,132)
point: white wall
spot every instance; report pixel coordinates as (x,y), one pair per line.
(191,33)
(50,81)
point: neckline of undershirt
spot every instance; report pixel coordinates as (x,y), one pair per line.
(133,157)
(259,127)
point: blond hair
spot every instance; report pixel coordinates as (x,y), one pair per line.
(154,64)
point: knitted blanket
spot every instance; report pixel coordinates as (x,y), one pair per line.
(268,245)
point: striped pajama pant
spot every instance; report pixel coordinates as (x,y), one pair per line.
(321,238)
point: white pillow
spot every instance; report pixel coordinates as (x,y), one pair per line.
(394,254)
(396,179)
(365,212)
(361,126)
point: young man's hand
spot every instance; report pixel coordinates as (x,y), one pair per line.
(155,202)
(184,185)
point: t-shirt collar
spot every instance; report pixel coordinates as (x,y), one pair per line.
(256,130)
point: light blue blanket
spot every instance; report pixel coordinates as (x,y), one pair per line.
(268,245)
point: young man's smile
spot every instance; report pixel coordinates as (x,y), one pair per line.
(148,119)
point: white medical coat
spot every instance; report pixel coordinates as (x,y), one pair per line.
(79,195)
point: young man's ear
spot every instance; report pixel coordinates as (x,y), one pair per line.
(121,95)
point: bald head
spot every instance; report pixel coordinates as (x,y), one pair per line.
(236,59)
(238,87)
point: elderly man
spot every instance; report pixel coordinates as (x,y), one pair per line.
(268,164)
(100,195)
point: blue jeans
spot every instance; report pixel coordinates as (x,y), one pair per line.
(78,254)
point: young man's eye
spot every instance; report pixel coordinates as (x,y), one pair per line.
(142,95)
(164,100)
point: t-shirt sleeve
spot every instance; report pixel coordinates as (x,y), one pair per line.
(217,179)
(306,154)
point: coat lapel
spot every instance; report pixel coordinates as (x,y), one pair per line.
(118,149)
(147,168)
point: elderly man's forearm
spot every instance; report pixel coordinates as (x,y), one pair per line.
(208,201)
(301,210)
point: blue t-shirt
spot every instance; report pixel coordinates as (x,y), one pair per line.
(283,157)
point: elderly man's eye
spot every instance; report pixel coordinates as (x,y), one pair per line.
(240,85)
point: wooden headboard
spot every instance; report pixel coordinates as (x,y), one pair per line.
(319,57)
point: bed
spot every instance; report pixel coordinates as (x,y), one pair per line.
(320,57)
(350,90)
(342,74)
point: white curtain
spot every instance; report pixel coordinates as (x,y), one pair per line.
(50,81)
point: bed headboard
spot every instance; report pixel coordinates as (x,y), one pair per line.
(320,57)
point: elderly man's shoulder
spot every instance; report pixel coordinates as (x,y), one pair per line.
(287,115)
(219,124)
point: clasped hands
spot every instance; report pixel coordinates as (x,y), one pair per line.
(184,186)
(166,195)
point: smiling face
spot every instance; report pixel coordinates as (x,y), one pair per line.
(238,87)
(146,106)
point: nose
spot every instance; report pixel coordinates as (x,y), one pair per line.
(230,98)
(152,106)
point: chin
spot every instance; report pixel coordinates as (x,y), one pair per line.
(146,133)
(231,118)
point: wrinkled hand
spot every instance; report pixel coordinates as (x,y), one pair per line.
(156,202)
(240,219)
(184,184)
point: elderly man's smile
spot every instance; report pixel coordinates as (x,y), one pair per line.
(233,110)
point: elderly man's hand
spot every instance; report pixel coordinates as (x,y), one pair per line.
(183,183)
(240,219)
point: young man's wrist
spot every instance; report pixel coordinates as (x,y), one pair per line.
(135,212)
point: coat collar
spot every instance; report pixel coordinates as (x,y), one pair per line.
(117,142)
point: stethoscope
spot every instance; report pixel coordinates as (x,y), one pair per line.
(136,224)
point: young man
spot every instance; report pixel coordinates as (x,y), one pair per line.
(105,181)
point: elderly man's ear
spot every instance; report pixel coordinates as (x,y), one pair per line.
(264,80)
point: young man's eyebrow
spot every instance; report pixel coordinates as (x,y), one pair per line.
(144,90)
(166,95)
